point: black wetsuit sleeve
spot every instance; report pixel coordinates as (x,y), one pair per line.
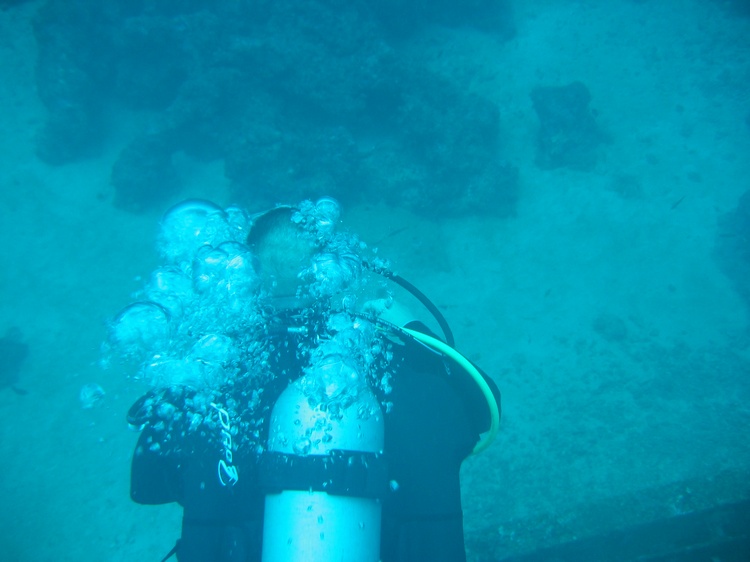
(154,477)
(438,413)
(427,435)
(174,463)
(466,388)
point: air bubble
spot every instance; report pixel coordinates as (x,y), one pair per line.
(140,330)
(170,287)
(208,268)
(328,213)
(90,395)
(213,348)
(302,446)
(190,225)
(166,411)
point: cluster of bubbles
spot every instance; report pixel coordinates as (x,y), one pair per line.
(182,330)
(342,366)
(338,264)
(197,322)
(198,333)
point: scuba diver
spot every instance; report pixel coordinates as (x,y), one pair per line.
(291,419)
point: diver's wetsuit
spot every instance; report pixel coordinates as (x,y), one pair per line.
(436,417)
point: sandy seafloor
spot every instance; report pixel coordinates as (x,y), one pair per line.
(596,433)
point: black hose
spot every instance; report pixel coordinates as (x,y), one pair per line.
(420,296)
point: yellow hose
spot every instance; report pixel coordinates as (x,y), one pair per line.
(445,349)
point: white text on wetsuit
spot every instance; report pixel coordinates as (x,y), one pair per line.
(228,475)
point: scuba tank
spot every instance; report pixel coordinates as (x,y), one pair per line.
(323,469)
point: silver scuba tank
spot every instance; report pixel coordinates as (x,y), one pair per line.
(323,447)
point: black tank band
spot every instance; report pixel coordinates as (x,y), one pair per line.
(340,473)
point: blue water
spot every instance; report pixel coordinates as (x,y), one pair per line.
(568,181)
